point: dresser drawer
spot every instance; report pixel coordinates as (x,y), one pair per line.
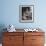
(13,33)
(13,44)
(37,39)
(34,33)
(37,44)
(12,39)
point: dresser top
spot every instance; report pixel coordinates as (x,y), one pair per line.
(22,30)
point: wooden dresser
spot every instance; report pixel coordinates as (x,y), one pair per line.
(23,39)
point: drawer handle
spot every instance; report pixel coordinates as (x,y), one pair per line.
(33,39)
(11,38)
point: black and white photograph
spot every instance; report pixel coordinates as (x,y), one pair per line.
(26,13)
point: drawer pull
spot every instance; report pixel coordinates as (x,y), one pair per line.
(33,39)
(10,38)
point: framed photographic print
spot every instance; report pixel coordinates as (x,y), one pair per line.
(26,13)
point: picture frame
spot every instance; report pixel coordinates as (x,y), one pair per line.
(26,13)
